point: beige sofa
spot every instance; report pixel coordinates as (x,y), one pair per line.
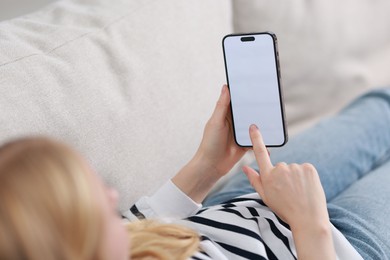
(130,84)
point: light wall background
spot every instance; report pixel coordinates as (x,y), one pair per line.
(14,8)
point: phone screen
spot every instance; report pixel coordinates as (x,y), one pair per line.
(252,71)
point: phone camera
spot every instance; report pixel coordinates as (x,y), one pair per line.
(247,39)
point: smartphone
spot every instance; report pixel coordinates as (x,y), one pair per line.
(253,77)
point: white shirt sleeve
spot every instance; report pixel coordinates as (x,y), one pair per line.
(168,202)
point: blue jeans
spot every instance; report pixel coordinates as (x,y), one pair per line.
(351,152)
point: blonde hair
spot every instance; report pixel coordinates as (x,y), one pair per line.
(154,240)
(48,210)
(47,206)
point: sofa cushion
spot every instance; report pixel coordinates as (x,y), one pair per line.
(331,51)
(130,84)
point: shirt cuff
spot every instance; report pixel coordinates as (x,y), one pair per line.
(168,202)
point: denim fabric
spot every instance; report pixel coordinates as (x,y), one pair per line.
(351,152)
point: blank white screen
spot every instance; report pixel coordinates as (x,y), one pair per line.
(253,83)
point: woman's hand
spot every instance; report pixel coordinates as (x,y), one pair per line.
(294,192)
(218,148)
(216,155)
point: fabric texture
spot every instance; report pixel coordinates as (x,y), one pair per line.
(167,202)
(351,152)
(130,84)
(241,228)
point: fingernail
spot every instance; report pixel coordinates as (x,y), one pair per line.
(223,90)
(254,127)
(222,93)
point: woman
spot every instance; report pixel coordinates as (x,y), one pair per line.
(52,205)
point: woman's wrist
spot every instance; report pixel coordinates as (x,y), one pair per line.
(196,178)
(311,227)
(314,240)
(310,222)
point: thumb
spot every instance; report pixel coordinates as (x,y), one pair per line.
(255,180)
(222,106)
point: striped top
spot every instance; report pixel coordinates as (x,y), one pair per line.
(242,228)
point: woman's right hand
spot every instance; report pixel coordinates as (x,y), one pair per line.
(294,193)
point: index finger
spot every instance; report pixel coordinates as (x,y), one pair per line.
(261,152)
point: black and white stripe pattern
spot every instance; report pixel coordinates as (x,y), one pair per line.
(245,228)
(242,228)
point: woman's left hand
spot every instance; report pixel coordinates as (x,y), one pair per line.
(218,148)
(216,155)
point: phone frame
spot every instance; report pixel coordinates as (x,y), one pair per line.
(276,55)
